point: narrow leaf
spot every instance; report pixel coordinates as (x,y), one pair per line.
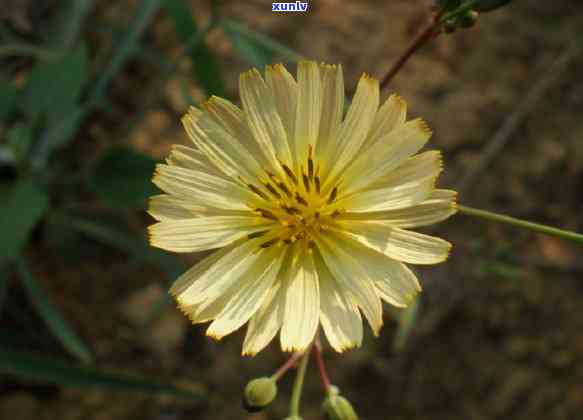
(23,206)
(43,369)
(123,178)
(51,314)
(254,47)
(206,69)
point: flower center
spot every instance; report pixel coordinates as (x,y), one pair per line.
(295,200)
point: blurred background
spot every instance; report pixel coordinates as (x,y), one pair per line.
(91,93)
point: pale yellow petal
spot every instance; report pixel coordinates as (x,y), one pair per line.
(354,128)
(169,207)
(385,155)
(234,121)
(263,119)
(309,109)
(332,108)
(339,315)
(220,147)
(399,244)
(353,277)
(189,158)
(208,190)
(302,304)
(389,116)
(439,206)
(217,274)
(248,295)
(285,93)
(205,232)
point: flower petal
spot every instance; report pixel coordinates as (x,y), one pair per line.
(399,244)
(234,121)
(205,232)
(263,118)
(220,147)
(389,116)
(332,108)
(339,315)
(354,129)
(386,154)
(285,94)
(266,322)
(439,206)
(352,276)
(302,303)
(169,207)
(209,190)
(309,109)
(249,293)
(389,198)
(189,158)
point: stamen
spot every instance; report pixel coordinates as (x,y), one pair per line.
(310,163)
(290,173)
(306,181)
(284,188)
(335,213)
(333,195)
(269,243)
(317,182)
(258,191)
(290,210)
(267,214)
(301,200)
(257,234)
(272,190)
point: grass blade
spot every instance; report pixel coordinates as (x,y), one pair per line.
(43,369)
(127,47)
(51,315)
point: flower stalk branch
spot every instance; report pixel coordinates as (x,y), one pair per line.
(294,406)
(291,362)
(512,221)
(324,378)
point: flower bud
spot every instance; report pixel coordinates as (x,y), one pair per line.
(336,407)
(293,418)
(259,393)
(489,5)
(468,19)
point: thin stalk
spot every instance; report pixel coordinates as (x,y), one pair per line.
(294,406)
(286,366)
(428,33)
(512,221)
(324,378)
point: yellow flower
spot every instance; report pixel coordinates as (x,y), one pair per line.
(308,209)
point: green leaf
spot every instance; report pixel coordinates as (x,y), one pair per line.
(67,24)
(54,87)
(51,315)
(123,178)
(22,208)
(255,48)
(8,100)
(127,47)
(406,319)
(43,369)
(19,140)
(137,248)
(206,69)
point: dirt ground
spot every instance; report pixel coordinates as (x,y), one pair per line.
(500,328)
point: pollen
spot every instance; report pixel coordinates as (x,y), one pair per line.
(296,202)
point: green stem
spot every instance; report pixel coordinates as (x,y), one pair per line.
(467,6)
(294,406)
(536,227)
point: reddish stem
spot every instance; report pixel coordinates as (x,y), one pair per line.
(426,35)
(321,366)
(291,362)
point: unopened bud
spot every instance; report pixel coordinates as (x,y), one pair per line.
(468,19)
(293,418)
(336,407)
(489,5)
(449,26)
(259,393)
